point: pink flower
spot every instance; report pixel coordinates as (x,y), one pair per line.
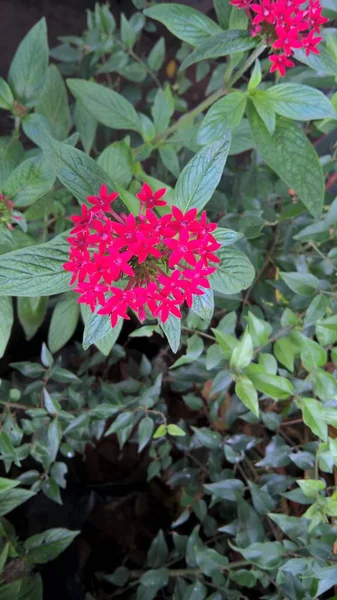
(280,63)
(146,255)
(150,198)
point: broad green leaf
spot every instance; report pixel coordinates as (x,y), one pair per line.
(46,546)
(156,57)
(245,390)
(36,270)
(169,158)
(312,354)
(274,386)
(31,180)
(226,112)
(234,273)
(11,154)
(184,22)
(303,284)
(314,417)
(86,126)
(116,159)
(31,313)
(222,44)
(174,430)
(291,155)
(108,107)
(259,329)
(6,96)
(226,237)
(266,555)
(255,76)
(226,342)
(284,352)
(160,432)
(12,499)
(128,35)
(316,309)
(265,109)
(172,329)
(227,489)
(242,138)
(6,322)
(329,323)
(29,65)
(203,306)
(7,484)
(63,322)
(242,353)
(323,62)
(161,111)
(311,487)
(78,172)
(53,103)
(155,577)
(32,124)
(106,343)
(97,327)
(145,431)
(223,11)
(200,177)
(195,348)
(300,102)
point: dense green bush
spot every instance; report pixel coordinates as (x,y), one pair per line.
(233,406)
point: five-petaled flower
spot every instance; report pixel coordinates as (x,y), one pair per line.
(121,262)
(288,25)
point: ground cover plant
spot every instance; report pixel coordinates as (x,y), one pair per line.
(168,294)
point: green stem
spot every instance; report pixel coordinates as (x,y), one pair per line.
(248,63)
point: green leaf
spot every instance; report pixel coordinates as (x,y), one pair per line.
(108,107)
(316,310)
(175,430)
(260,330)
(323,62)
(312,354)
(97,327)
(53,103)
(222,44)
(226,112)
(155,577)
(300,102)
(78,172)
(242,138)
(303,284)
(160,432)
(274,386)
(128,35)
(6,96)
(12,499)
(116,159)
(162,110)
(6,322)
(156,57)
(36,270)
(106,343)
(245,390)
(203,306)
(223,11)
(31,180)
(234,273)
(242,353)
(145,431)
(29,65)
(31,313)
(265,109)
(227,489)
(63,322)
(200,177)
(195,347)
(314,417)
(158,551)
(11,154)
(291,155)
(86,126)
(7,484)
(284,352)
(170,159)
(226,342)
(172,329)
(266,555)
(255,76)
(43,547)
(330,323)
(187,24)
(311,487)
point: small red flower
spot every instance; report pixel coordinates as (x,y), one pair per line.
(150,198)
(280,63)
(102,202)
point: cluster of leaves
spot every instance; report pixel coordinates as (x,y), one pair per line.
(251,453)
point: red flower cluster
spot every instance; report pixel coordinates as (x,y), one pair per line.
(120,262)
(287,25)
(8,216)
